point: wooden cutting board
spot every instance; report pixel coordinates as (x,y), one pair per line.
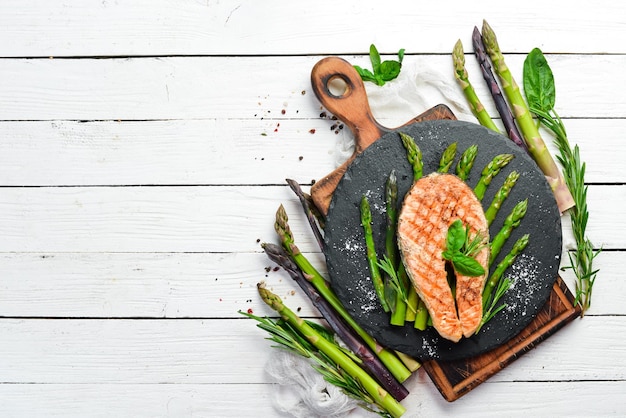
(453,379)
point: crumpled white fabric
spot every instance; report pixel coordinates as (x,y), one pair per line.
(419,87)
(302,392)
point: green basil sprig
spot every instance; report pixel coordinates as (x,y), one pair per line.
(461,249)
(382,71)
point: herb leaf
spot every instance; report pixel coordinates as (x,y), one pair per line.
(456,237)
(461,250)
(467,266)
(539,82)
(381,71)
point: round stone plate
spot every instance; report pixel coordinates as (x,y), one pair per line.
(533,273)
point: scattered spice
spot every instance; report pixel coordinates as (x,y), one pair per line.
(283,111)
(300,158)
(312,131)
(303,92)
(250,311)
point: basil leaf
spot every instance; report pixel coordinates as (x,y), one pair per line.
(374,58)
(467,266)
(401,55)
(366,75)
(538,82)
(389,70)
(456,236)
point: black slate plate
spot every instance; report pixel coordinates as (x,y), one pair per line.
(533,272)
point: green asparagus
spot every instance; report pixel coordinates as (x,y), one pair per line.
(345,363)
(372,257)
(536,146)
(398,314)
(477,108)
(511,222)
(447,158)
(506,262)
(489,172)
(466,162)
(413,155)
(500,196)
(389,359)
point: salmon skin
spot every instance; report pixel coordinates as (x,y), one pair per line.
(431,205)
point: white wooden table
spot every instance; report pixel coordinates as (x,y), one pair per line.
(143,151)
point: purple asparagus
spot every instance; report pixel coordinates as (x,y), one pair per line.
(496,93)
(371,363)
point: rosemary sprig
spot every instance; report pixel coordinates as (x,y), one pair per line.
(492,310)
(541,95)
(394,281)
(288,338)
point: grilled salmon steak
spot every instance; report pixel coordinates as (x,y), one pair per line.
(431,205)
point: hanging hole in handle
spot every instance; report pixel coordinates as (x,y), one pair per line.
(337,86)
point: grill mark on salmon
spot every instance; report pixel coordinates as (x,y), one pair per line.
(429,208)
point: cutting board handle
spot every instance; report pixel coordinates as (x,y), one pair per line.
(350,105)
(333,74)
(339,88)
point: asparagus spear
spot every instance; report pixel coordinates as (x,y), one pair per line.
(506,262)
(511,222)
(308,211)
(489,172)
(372,258)
(491,298)
(391,249)
(379,395)
(413,155)
(391,205)
(447,158)
(466,162)
(501,105)
(500,196)
(393,364)
(477,108)
(371,363)
(416,309)
(536,147)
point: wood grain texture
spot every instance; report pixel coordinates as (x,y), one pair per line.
(215,351)
(280,27)
(197,218)
(143,151)
(179,152)
(223,87)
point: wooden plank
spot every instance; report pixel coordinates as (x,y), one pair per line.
(206,151)
(197,219)
(114,285)
(213,87)
(280,27)
(211,351)
(508,399)
(182,285)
